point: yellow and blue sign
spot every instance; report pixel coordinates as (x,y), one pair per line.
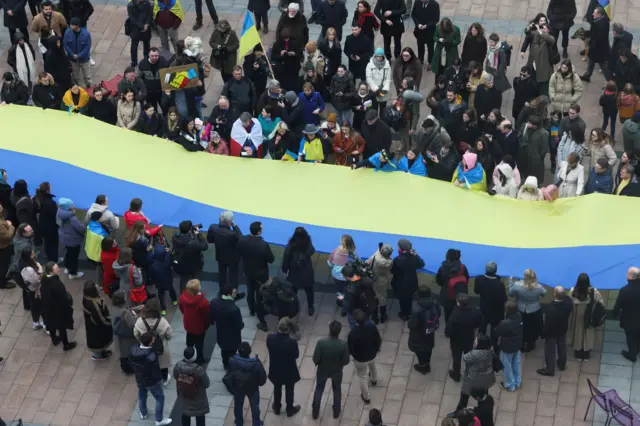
(82,157)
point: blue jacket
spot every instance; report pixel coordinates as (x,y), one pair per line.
(249,365)
(160,262)
(385,167)
(70,231)
(602,184)
(417,168)
(77,44)
(310,104)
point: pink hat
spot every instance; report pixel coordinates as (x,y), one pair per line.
(550,192)
(470,160)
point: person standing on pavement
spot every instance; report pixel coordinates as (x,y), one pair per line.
(57,307)
(195,310)
(225,236)
(540,54)
(149,73)
(23,240)
(332,14)
(581,333)
(509,333)
(256,256)
(255,376)
(452,278)
(390,13)
(462,329)
(188,248)
(97,322)
(364,342)
(561,14)
(227,318)
(77,45)
(224,43)
(493,296)
(527,294)
(283,367)
(145,361)
(15,18)
(138,25)
(626,308)
(192,382)
(71,233)
(599,47)
(426,15)
(405,276)
(425,320)
(48,210)
(260,9)
(212,13)
(168,15)
(152,321)
(330,356)
(297,264)
(555,332)
(48,21)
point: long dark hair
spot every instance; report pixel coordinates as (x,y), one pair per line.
(300,240)
(445,27)
(583,284)
(26,259)
(20,188)
(42,191)
(478,28)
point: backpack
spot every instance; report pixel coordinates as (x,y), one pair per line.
(157,344)
(137,294)
(595,313)
(454,282)
(432,318)
(187,385)
(367,299)
(507,49)
(120,327)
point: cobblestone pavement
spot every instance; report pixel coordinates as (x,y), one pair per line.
(42,385)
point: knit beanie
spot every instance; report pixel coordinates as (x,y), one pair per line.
(379,52)
(65,203)
(290,97)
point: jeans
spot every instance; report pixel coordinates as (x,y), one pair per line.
(81,73)
(186,420)
(197,341)
(633,342)
(397,45)
(146,45)
(157,392)
(336,381)
(71,259)
(165,35)
(550,346)
(610,119)
(212,10)
(565,36)
(254,403)
(511,362)
(603,67)
(344,115)
(364,370)
(51,246)
(228,271)
(288,395)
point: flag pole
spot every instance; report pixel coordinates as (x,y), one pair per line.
(273,75)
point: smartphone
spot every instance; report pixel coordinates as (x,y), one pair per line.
(244,153)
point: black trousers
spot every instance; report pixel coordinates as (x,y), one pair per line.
(288,395)
(228,273)
(448,309)
(397,45)
(456,353)
(565,36)
(462,402)
(262,18)
(161,296)
(424,357)
(254,299)
(633,342)
(310,295)
(34,7)
(186,420)
(59,335)
(551,344)
(24,31)
(125,366)
(226,354)
(405,305)
(51,246)
(492,326)
(212,10)
(71,259)
(425,38)
(197,341)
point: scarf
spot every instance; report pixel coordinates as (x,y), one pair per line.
(492,57)
(363,16)
(379,64)
(25,67)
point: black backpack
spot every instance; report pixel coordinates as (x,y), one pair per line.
(432,318)
(367,299)
(507,49)
(157,344)
(595,313)
(240,382)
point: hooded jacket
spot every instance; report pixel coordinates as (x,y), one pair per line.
(599,183)
(249,365)
(188,250)
(159,263)
(510,187)
(123,273)
(631,135)
(6,233)
(529,190)
(354,296)
(71,231)
(199,404)
(556,321)
(145,365)
(14,92)
(108,219)
(510,333)
(78,43)
(493,296)
(379,79)
(195,311)
(419,340)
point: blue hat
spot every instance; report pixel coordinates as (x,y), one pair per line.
(65,203)
(379,52)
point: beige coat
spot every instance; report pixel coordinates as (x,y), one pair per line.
(164,330)
(579,336)
(602,150)
(58,24)
(382,271)
(564,91)
(128,114)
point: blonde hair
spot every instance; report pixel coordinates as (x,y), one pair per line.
(530,279)
(193,287)
(312,46)
(330,30)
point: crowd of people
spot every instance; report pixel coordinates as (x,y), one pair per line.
(137,272)
(300,101)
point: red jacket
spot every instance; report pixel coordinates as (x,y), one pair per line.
(133,217)
(195,310)
(108,276)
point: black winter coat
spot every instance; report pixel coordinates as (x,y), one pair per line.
(139,15)
(283,355)
(57,64)
(57,304)
(449,269)
(523,91)
(344,85)
(561,13)
(405,274)
(47,97)
(599,47)
(47,218)
(419,340)
(259,6)
(629,72)
(377,137)
(462,325)
(151,126)
(19,17)
(188,252)
(486,100)
(298,266)
(224,127)
(242,96)
(626,307)
(225,239)
(332,57)
(256,256)
(358,114)
(493,296)
(361,46)
(510,333)
(97,323)
(332,15)
(425,13)
(397,8)
(76,8)
(257,75)
(228,321)
(146,365)
(287,67)
(14,92)
(364,342)
(103,110)
(473,49)
(556,320)
(621,42)
(353,299)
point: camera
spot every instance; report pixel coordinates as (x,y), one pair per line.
(196,228)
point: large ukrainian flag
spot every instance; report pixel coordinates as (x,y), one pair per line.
(249,36)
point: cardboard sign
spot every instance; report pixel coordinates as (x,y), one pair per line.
(180,77)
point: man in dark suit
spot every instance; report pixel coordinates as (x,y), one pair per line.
(493,296)
(461,329)
(626,308)
(556,325)
(227,318)
(256,256)
(283,369)
(508,140)
(599,47)
(225,236)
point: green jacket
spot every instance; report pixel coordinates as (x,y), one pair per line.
(330,355)
(450,45)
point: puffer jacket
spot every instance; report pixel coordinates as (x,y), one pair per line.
(564,91)
(631,137)
(379,79)
(529,190)
(199,404)
(600,150)
(70,231)
(627,105)
(345,86)
(108,219)
(510,188)
(382,271)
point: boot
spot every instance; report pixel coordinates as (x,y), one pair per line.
(198,24)
(565,54)
(383,314)
(265,30)
(375,318)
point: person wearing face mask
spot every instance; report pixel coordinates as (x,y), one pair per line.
(57,64)
(570,177)
(332,14)
(46,93)
(358,47)
(469,174)
(565,87)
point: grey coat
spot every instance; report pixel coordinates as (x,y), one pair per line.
(541,43)
(528,300)
(198,406)
(70,231)
(479,370)
(500,80)
(122,321)
(122,271)
(108,219)
(19,244)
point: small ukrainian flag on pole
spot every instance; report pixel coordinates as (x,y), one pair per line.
(249,37)
(606,5)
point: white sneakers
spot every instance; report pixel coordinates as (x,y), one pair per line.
(92,62)
(163,422)
(165,383)
(38,325)
(76,276)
